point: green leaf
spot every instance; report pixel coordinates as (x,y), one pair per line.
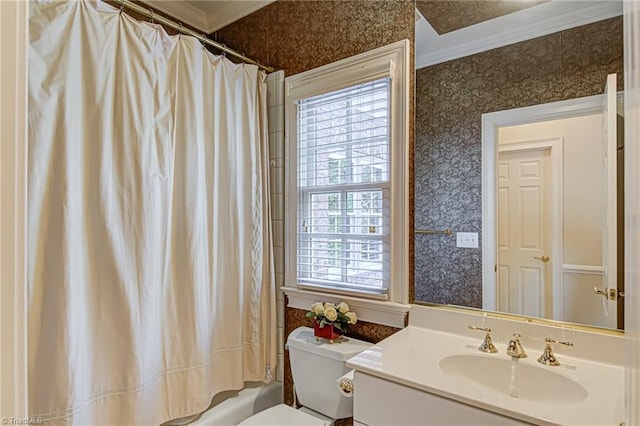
(311,314)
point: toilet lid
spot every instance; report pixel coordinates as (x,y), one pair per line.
(281,415)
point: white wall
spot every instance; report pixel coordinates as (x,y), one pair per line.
(582,211)
(275,105)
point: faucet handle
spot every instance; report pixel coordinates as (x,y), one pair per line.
(547,357)
(514,347)
(549,340)
(487,345)
(473,327)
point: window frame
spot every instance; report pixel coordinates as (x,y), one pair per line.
(388,61)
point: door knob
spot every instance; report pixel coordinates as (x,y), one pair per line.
(545,259)
(601,292)
(609,293)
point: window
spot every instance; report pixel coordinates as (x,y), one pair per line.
(346,176)
(343,187)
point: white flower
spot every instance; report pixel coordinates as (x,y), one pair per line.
(343,307)
(330,313)
(317,308)
(328,305)
(353,318)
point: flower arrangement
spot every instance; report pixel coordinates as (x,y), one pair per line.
(337,315)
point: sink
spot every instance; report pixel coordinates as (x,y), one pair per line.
(515,378)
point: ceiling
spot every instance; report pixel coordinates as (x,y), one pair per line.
(468,30)
(208,15)
(447,16)
(445,30)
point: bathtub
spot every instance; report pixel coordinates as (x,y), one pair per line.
(232,407)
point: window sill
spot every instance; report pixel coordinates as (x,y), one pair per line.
(369,310)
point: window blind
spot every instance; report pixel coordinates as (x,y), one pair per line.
(343,188)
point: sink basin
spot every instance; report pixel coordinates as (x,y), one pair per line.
(515,378)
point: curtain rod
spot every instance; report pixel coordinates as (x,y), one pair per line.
(180,28)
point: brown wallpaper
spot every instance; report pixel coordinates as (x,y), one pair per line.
(447,16)
(296,36)
(299,35)
(361,330)
(451,97)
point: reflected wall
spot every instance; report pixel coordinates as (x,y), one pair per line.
(450,99)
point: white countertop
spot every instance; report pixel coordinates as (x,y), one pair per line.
(411,357)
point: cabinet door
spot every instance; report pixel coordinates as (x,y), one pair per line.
(379,402)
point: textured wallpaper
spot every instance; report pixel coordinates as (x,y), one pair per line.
(299,35)
(296,36)
(450,99)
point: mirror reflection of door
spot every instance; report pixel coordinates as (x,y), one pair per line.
(620,213)
(524,231)
(561,288)
(609,287)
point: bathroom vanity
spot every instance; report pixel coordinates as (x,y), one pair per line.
(432,372)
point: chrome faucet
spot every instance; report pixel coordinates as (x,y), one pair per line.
(514,347)
(547,357)
(487,345)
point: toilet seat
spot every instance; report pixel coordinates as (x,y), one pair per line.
(281,415)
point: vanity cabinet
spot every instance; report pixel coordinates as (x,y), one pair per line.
(382,402)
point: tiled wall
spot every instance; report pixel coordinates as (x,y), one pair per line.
(450,99)
(275,106)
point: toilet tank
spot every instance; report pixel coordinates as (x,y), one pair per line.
(316,367)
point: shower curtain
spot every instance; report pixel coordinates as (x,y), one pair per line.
(150,262)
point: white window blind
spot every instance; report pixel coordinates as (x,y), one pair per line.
(343,188)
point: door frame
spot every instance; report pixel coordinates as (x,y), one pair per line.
(631,17)
(14,44)
(556,148)
(491,123)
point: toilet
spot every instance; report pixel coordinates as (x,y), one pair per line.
(316,367)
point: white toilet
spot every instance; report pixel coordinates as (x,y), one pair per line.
(316,367)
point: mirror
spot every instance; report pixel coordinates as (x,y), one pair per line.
(501,95)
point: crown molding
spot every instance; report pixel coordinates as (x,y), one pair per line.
(537,21)
(231,11)
(207,16)
(183,12)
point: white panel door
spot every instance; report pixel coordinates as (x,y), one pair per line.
(609,202)
(524,222)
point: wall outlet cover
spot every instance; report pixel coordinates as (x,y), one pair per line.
(467,239)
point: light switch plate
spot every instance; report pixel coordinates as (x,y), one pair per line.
(467,239)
